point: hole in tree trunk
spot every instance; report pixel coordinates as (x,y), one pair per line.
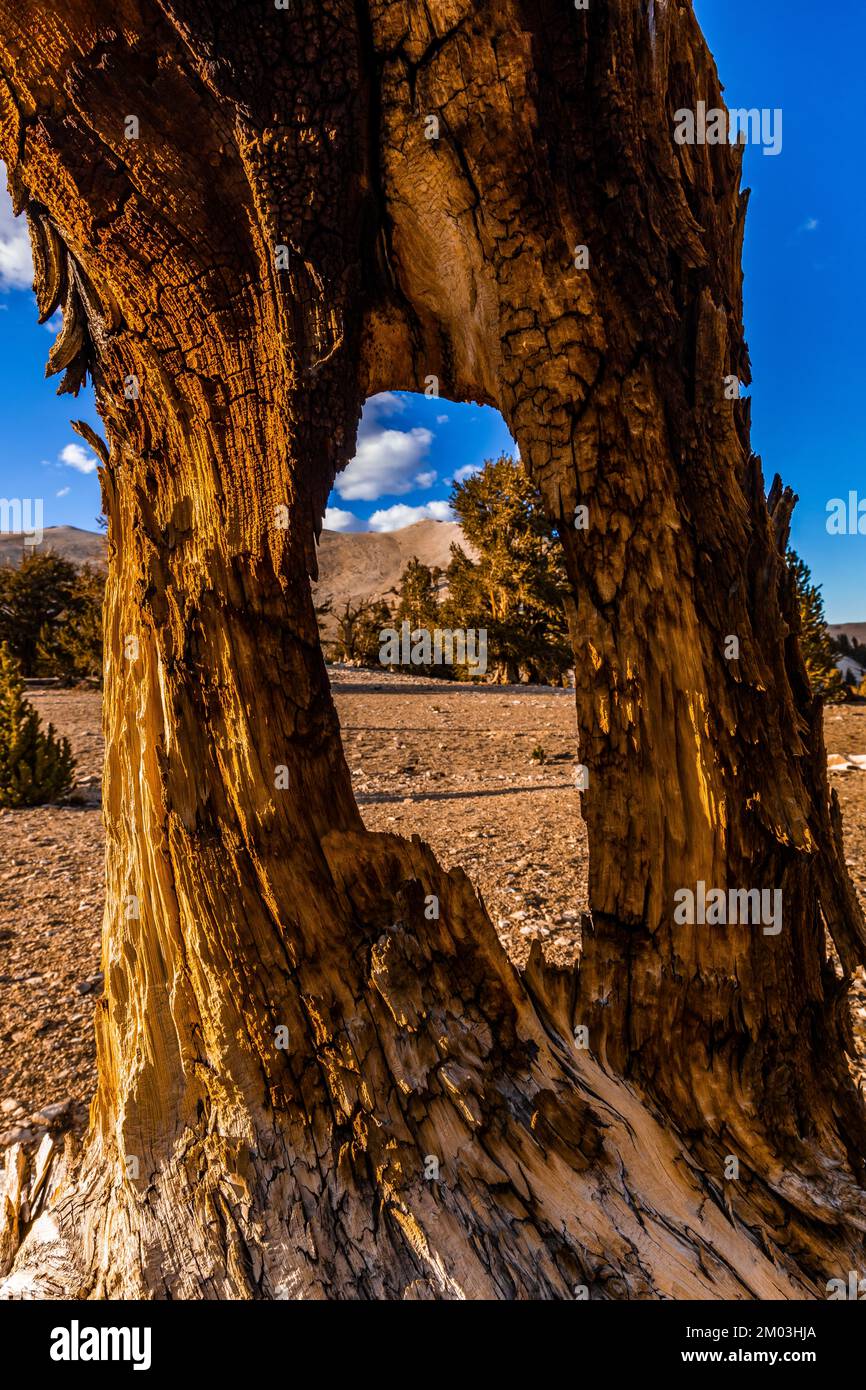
(453,764)
(482,764)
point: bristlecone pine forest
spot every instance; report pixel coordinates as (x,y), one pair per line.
(319,1074)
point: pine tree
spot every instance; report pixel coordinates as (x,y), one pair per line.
(418,604)
(358,627)
(35,767)
(516,587)
(846,647)
(70,644)
(34,596)
(418,597)
(815,641)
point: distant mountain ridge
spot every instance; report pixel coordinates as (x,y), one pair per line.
(357,565)
(353,565)
(71,542)
(856,631)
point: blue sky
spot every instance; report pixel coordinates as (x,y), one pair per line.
(805,296)
(805,311)
(40,455)
(410,447)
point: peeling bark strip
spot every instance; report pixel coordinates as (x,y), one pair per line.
(307,1087)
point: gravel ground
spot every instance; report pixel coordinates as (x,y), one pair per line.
(486,775)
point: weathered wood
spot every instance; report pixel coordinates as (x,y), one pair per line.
(219,1164)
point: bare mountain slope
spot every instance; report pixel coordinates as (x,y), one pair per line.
(352,565)
(856,631)
(368,564)
(71,542)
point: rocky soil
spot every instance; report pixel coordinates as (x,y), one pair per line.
(486,775)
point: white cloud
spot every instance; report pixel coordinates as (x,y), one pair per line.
(388,462)
(386,403)
(77,457)
(16,264)
(336,519)
(55,323)
(810,225)
(385,464)
(64,492)
(392,518)
(441,419)
(466,472)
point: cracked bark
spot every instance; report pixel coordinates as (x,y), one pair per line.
(216,1164)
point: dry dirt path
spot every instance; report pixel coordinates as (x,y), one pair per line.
(452,763)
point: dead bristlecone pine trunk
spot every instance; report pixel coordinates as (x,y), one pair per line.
(319,1075)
